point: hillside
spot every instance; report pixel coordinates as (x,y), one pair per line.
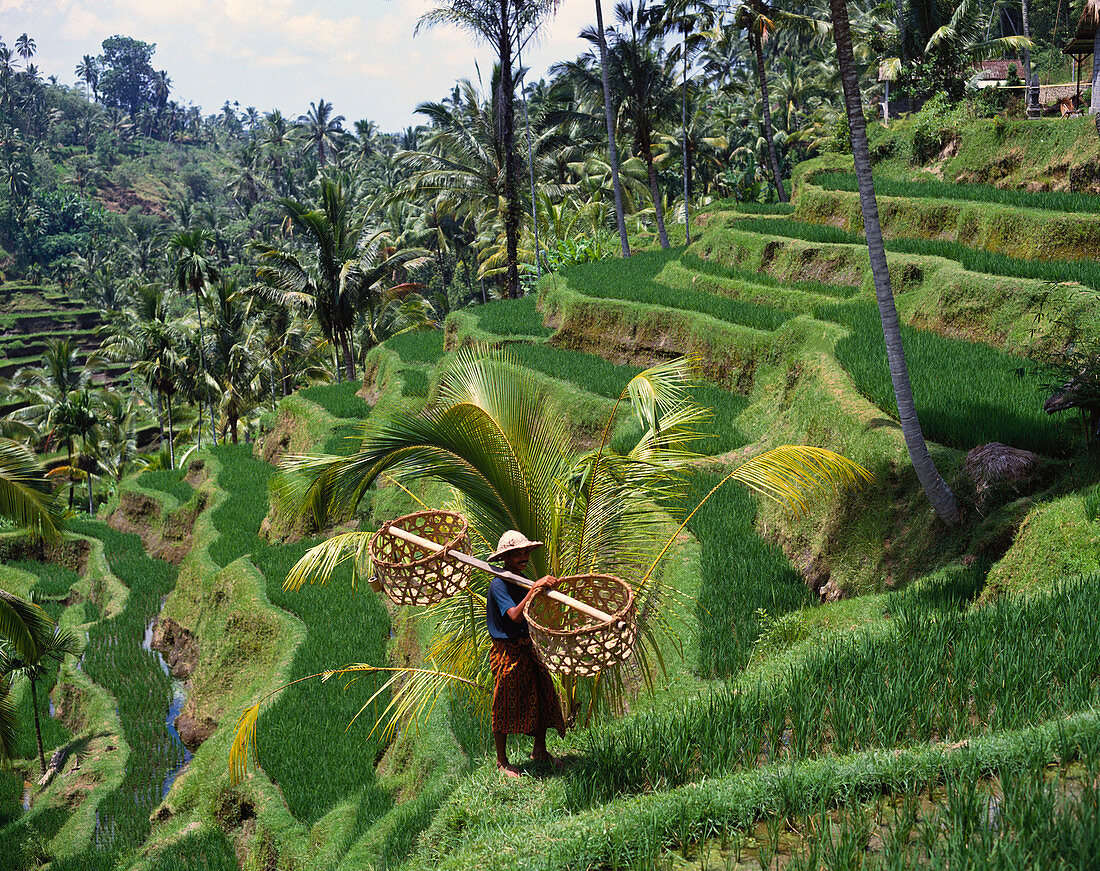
(863,687)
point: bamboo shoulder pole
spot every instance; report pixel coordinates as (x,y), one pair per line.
(413,538)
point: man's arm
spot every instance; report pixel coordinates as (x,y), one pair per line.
(546,582)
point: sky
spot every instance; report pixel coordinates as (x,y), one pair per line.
(359,55)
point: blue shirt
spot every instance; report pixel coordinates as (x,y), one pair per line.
(502,596)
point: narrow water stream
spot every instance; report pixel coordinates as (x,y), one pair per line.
(179,697)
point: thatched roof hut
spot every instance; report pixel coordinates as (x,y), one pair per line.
(1086,41)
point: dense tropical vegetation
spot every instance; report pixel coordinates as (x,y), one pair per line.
(233,344)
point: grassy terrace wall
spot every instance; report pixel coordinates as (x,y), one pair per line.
(1025,233)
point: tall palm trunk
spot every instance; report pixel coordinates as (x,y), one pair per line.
(349,358)
(1094,106)
(69,446)
(939,494)
(773,157)
(612,146)
(658,203)
(506,116)
(1027,56)
(171,435)
(202,364)
(37,726)
(684,149)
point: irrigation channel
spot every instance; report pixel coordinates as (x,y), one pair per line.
(119,657)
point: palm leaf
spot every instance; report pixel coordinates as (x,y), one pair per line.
(22,623)
(26,495)
(7,724)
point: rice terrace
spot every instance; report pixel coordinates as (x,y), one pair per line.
(685,455)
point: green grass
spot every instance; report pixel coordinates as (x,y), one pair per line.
(632,279)
(343,626)
(602,378)
(168,481)
(691,260)
(512,317)
(967,393)
(1081,271)
(730,205)
(205,850)
(423,346)
(339,399)
(933,673)
(739,573)
(114,658)
(977,193)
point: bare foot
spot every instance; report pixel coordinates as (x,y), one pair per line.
(509,770)
(545,758)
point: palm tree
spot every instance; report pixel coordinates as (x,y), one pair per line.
(337,281)
(760,20)
(22,625)
(644,93)
(322,129)
(27,496)
(88,72)
(612,146)
(25,47)
(506,25)
(195,268)
(686,17)
(52,647)
(939,494)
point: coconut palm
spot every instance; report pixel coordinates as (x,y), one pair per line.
(343,274)
(26,495)
(506,25)
(52,645)
(504,450)
(688,18)
(195,267)
(612,146)
(22,625)
(322,129)
(88,72)
(760,21)
(939,494)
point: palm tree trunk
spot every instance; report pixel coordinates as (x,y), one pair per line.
(612,146)
(70,452)
(349,359)
(1027,56)
(90,509)
(37,726)
(1094,105)
(171,436)
(684,149)
(658,205)
(202,364)
(506,116)
(939,494)
(766,111)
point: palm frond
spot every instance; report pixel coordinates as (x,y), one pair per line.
(7,724)
(26,494)
(22,623)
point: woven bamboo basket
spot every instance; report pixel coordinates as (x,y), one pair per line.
(414,575)
(570,642)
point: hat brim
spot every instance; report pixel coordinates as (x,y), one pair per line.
(500,554)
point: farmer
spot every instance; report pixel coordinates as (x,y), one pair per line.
(524,699)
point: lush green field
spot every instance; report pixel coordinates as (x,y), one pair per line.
(339,399)
(512,317)
(714,267)
(933,673)
(114,658)
(168,481)
(931,189)
(1081,271)
(343,626)
(632,279)
(967,393)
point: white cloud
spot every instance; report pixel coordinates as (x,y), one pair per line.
(361,56)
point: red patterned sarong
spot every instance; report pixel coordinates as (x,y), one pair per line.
(524,699)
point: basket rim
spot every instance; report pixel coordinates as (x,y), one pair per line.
(405,518)
(620,614)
